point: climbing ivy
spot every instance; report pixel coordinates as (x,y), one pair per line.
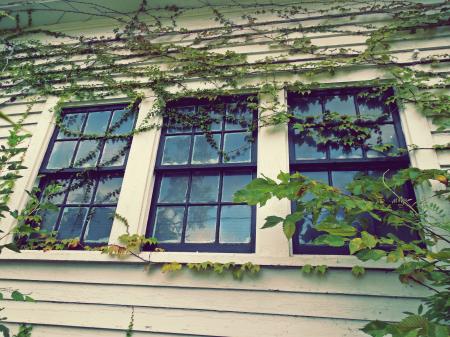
(138,54)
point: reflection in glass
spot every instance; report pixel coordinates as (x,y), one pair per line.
(61,155)
(173,189)
(97,123)
(114,152)
(168,224)
(48,219)
(122,122)
(371,107)
(71,123)
(387,137)
(343,104)
(201,224)
(233,183)
(342,178)
(58,196)
(235,224)
(87,153)
(238,117)
(214,117)
(340,153)
(306,148)
(204,188)
(99,225)
(108,190)
(176,150)
(307,232)
(237,148)
(204,153)
(72,221)
(80,192)
(308,107)
(179,127)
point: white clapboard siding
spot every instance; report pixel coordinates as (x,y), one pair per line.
(180,321)
(255,301)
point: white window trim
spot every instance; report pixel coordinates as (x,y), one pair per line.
(271,247)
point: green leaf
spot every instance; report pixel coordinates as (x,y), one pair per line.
(376,328)
(368,239)
(321,270)
(289,224)
(358,271)
(336,229)
(4,330)
(329,240)
(371,254)
(272,221)
(355,245)
(17,296)
(307,269)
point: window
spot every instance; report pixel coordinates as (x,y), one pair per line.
(323,155)
(86,160)
(197,172)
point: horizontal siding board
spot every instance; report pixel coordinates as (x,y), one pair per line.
(194,322)
(263,302)
(443,157)
(377,283)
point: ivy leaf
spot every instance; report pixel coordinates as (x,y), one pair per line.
(329,240)
(272,221)
(17,296)
(321,270)
(307,269)
(355,245)
(371,254)
(368,239)
(336,229)
(376,328)
(289,224)
(4,330)
(358,271)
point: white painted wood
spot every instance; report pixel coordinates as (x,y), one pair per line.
(263,302)
(135,195)
(273,157)
(199,322)
(337,281)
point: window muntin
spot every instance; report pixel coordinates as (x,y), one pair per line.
(86,158)
(197,172)
(336,166)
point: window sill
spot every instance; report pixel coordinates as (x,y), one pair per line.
(334,261)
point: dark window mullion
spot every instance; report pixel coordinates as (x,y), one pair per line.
(78,139)
(91,205)
(186,209)
(103,139)
(62,206)
(219,206)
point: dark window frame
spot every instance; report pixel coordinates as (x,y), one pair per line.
(95,173)
(328,165)
(192,169)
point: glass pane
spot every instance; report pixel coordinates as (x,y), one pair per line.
(204,152)
(99,225)
(114,152)
(58,189)
(87,153)
(108,190)
(61,155)
(48,219)
(237,148)
(97,123)
(72,123)
(307,107)
(372,107)
(80,192)
(72,221)
(387,137)
(307,233)
(213,118)
(238,117)
(181,126)
(201,224)
(342,178)
(122,122)
(305,148)
(342,104)
(176,150)
(169,224)
(235,223)
(233,183)
(340,153)
(173,189)
(204,188)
